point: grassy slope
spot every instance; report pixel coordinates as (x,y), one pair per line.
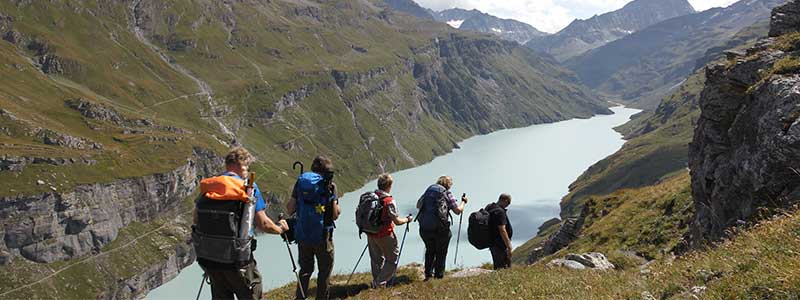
(269,50)
(759,263)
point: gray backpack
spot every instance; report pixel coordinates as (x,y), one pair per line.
(369,214)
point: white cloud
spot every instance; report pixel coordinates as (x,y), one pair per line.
(549,15)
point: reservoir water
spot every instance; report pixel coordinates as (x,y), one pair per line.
(534,164)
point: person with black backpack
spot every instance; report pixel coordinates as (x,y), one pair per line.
(383,247)
(434,229)
(500,232)
(316,205)
(222,234)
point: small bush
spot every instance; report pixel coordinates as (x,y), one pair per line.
(788,42)
(787,65)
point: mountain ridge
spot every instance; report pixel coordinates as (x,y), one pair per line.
(476,20)
(642,67)
(583,35)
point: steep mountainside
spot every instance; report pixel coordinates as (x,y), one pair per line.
(110,111)
(643,67)
(745,156)
(476,20)
(583,35)
(410,7)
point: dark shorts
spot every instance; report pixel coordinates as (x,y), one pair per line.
(245,283)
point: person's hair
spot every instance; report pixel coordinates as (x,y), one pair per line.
(238,156)
(321,165)
(504,197)
(445,181)
(385,180)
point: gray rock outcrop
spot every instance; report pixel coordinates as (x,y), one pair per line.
(745,156)
(785,19)
(593,260)
(567,232)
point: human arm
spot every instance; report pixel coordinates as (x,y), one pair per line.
(402,220)
(395,216)
(506,239)
(337,210)
(266,224)
(457,208)
(291,205)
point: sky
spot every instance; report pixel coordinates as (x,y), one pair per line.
(549,15)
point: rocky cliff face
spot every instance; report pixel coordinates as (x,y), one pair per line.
(57,226)
(745,156)
(583,35)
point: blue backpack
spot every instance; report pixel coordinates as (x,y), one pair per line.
(435,212)
(312,201)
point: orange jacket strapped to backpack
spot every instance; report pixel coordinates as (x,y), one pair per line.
(224,188)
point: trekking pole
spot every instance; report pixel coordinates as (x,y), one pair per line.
(202,283)
(355,267)
(291,257)
(397,263)
(458,238)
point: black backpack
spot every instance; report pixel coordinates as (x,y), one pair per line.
(478,231)
(438,216)
(215,236)
(369,214)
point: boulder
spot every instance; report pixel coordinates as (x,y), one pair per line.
(593,260)
(571,264)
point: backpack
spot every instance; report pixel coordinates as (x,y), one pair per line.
(435,212)
(215,237)
(369,214)
(478,231)
(312,206)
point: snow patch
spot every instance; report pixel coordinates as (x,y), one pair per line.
(497,30)
(455,23)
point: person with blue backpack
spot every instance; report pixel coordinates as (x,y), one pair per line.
(315,204)
(434,217)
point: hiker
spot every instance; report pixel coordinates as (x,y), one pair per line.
(501,232)
(231,271)
(434,218)
(315,202)
(383,248)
